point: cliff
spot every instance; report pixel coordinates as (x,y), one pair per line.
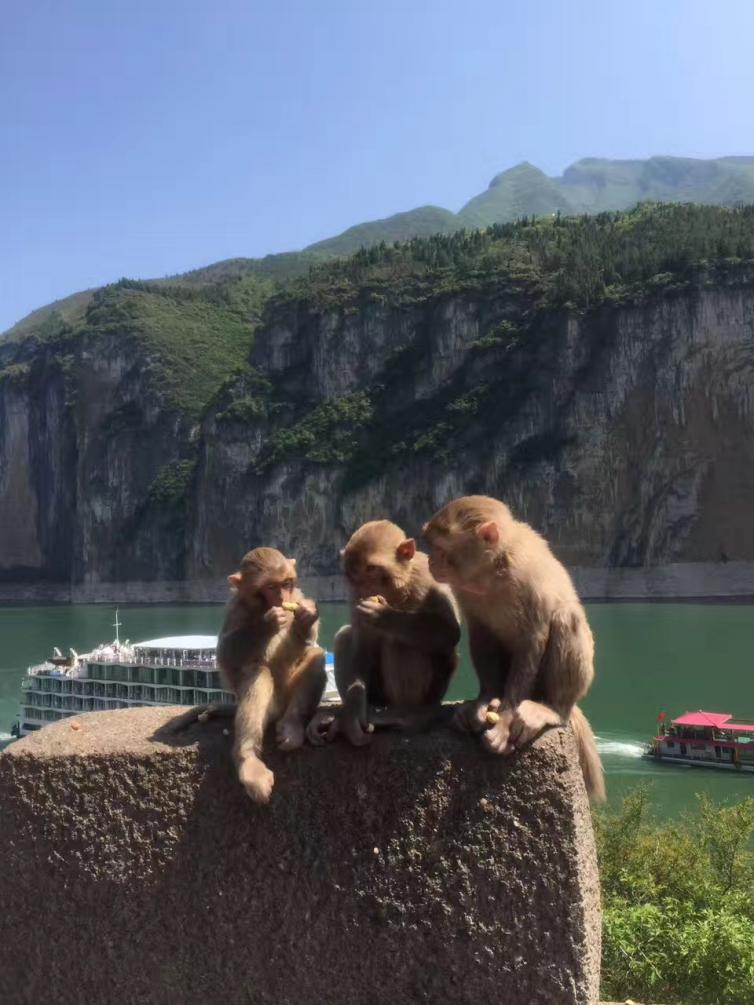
(416,870)
(616,416)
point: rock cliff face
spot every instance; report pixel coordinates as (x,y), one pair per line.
(84,446)
(625,434)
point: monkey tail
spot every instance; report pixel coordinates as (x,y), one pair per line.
(589,758)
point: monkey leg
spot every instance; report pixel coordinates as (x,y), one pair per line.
(305,690)
(568,664)
(255,709)
(352,718)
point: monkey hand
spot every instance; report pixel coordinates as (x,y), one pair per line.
(371,612)
(322,728)
(306,614)
(497,733)
(277,619)
(530,720)
(470,717)
(257,779)
(289,734)
(357,729)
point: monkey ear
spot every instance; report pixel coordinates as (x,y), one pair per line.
(406,549)
(292,561)
(489,532)
(234,579)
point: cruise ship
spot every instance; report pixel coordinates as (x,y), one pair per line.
(176,670)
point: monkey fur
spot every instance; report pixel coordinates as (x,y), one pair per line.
(269,658)
(530,641)
(393,663)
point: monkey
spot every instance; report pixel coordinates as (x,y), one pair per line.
(399,650)
(529,637)
(268,657)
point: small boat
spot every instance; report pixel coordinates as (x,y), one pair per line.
(705,740)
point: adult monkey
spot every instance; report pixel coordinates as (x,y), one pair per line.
(394,662)
(268,657)
(530,641)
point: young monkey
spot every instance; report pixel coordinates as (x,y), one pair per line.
(268,657)
(530,642)
(399,651)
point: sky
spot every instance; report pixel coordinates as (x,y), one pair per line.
(148,137)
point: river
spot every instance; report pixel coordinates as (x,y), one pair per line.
(650,658)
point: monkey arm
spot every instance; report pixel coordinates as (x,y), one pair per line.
(524,669)
(242,645)
(491,661)
(429,629)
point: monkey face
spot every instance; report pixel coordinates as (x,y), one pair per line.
(462,560)
(266,578)
(377,559)
(366,574)
(275,593)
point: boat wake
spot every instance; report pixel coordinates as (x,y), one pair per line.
(619,748)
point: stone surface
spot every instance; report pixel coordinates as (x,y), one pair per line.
(418,870)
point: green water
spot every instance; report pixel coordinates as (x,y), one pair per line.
(650,658)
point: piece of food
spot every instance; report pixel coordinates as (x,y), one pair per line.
(377,599)
(290,605)
(491,718)
(75,725)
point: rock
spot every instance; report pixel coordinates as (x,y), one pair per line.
(135,869)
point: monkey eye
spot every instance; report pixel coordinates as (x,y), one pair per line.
(372,569)
(288,584)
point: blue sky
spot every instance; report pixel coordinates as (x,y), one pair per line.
(148,137)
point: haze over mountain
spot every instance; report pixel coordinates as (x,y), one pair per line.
(591,185)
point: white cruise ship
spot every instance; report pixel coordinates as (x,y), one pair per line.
(176,670)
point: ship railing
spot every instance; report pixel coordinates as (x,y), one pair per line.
(206,663)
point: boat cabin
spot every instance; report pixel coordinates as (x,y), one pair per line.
(706,738)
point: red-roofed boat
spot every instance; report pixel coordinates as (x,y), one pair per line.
(705,739)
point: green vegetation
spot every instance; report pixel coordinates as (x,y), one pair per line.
(193,333)
(15,373)
(422,222)
(521,191)
(573,262)
(678,904)
(512,277)
(170,488)
(189,338)
(325,435)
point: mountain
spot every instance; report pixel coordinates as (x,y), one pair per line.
(595,372)
(591,185)
(521,191)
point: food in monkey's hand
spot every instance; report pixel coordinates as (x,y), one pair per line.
(377,599)
(492,718)
(290,605)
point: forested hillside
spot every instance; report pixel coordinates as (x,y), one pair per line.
(596,372)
